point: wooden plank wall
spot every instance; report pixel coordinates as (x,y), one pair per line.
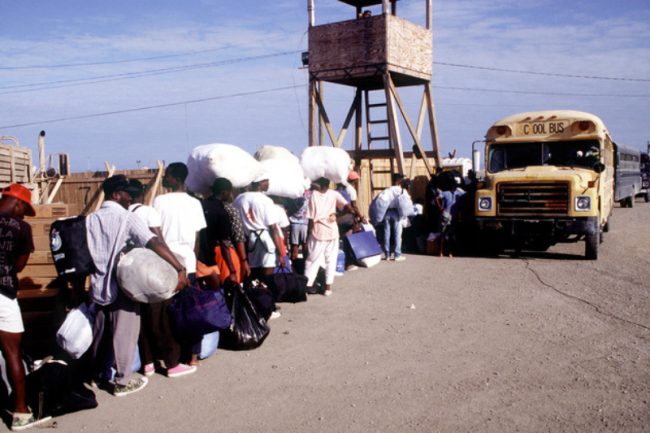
(79,188)
(382,39)
(409,46)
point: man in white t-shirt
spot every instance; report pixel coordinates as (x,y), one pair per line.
(260,220)
(149,215)
(182,219)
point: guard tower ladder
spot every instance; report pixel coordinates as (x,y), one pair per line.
(371,120)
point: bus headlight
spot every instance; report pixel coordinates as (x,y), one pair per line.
(583,203)
(485,204)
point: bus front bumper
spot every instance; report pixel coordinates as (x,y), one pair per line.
(539,227)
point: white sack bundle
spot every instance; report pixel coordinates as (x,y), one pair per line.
(286,178)
(210,161)
(145,276)
(274,152)
(76,333)
(332,163)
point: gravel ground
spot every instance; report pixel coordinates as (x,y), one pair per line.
(543,342)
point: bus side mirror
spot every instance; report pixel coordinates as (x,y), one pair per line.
(599,167)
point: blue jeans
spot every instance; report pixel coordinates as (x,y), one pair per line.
(392,223)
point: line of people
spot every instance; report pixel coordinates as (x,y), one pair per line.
(212,242)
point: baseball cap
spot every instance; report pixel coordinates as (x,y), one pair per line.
(21,193)
(353,175)
(119,182)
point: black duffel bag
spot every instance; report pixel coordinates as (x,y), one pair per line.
(69,247)
(57,389)
(287,286)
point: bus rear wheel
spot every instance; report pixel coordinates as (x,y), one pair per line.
(647,196)
(630,201)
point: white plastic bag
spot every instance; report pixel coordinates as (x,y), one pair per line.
(286,178)
(146,277)
(76,333)
(210,161)
(332,163)
(274,152)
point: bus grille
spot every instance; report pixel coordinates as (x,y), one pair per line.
(543,198)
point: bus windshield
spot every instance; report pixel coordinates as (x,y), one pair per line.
(582,154)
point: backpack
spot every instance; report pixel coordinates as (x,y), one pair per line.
(69,246)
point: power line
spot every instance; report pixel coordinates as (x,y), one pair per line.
(521,92)
(541,73)
(129,75)
(210,50)
(131,110)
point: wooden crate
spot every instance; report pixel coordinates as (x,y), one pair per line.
(42,243)
(40,227)
(39,271)
(40,258)
(54,211)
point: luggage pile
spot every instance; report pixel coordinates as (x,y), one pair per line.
(288,175)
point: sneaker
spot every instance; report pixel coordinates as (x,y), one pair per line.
(385,256)
(23,421)
(399,258)
(134,385)
(149,369)
(352,268)
(312,290)
(275,315)
(327,292)
(181,370)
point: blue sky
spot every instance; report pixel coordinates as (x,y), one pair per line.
(242,60)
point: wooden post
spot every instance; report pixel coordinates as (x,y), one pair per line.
(323,114)
(311,13)
(348,119)
(312,112)
(154,184)
(414,135)
(321,123)
(429,14)
(100,198)
(433,125)
(57,185)
(384,6)
(358,133)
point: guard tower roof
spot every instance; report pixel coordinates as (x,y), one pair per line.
(363,3)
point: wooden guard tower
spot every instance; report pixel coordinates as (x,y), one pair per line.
(375,55)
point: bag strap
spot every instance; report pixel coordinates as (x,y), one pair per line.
(257,233)
(136,207)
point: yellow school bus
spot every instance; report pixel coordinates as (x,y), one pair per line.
(549,178)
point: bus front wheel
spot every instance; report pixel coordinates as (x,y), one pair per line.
(592,244)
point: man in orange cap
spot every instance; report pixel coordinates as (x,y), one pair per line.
(16,244)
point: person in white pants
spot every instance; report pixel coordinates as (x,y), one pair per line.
(323,240)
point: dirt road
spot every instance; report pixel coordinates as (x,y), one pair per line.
(544,342)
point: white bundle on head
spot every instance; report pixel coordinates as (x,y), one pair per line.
(210,161)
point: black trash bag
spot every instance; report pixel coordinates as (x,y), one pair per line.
(288,286)
(261,297)
(248,329)
(56,389)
